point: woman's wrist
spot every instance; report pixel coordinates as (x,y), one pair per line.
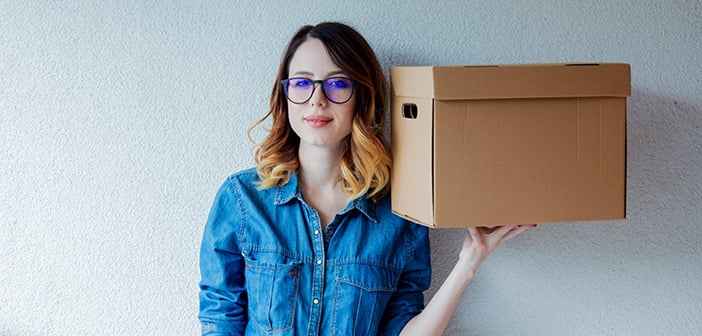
(467,266)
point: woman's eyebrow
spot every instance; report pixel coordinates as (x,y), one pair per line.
(307,73)
(337,72)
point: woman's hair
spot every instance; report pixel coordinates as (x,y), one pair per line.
(365,164)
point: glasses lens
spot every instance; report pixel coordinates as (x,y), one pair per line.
(338,89)
(299,89)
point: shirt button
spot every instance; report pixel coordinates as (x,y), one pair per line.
(315,301)
(319,262)
(316,232)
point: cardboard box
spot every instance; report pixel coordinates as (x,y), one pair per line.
(509,144)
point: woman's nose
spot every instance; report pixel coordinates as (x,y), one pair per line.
(318,97)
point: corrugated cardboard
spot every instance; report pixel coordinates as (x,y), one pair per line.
(509,144)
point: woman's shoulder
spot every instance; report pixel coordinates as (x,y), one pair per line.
(245,174)
(243,179)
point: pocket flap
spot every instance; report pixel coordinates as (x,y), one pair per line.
(367,277)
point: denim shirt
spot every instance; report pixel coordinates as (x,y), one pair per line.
(268,268)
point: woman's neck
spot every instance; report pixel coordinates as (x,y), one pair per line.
(319,166)
(318,176)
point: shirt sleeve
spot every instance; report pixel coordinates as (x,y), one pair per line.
(408,299)
(223,298)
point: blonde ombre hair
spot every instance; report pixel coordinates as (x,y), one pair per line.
(365,164)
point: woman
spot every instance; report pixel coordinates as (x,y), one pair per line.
(305,242)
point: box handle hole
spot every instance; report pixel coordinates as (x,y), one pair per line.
(409,111)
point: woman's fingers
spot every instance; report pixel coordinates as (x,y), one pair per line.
(487,235)
(504,230)
(494,236)
(517,231)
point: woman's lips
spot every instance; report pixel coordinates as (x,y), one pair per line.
(317,121)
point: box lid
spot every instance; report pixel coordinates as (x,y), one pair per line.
(515,81)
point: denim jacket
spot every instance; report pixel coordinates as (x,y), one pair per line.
(268,268)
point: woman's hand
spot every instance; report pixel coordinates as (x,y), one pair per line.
(481,241)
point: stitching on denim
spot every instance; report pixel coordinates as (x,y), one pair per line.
(271,267)
(286,253)
(242,211)
(342,262)
(371,290)
(373,314)
(389,283)
(334,309)
(358,313)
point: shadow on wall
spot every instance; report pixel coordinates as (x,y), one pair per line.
(391,58)
(664,152)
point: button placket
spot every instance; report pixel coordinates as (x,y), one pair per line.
(318,246)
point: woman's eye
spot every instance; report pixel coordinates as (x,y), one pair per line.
(301,83)
(338,83)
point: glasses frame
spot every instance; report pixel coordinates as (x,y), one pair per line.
(321,82)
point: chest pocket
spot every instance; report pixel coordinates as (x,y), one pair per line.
(272,289)
(361,294)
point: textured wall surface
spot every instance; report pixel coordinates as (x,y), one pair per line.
(119,120)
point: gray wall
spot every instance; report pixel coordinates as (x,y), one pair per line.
(119,120)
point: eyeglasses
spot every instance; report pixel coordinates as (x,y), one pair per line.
(338,90)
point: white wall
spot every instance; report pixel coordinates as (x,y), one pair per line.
(119,119)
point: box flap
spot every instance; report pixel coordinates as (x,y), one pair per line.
(513,81)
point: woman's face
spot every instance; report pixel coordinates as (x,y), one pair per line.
(318,122)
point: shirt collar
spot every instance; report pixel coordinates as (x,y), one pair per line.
(365,206)
(291,190)
(288,191)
